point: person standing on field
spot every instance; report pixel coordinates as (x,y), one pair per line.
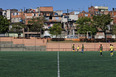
(111,50)
(101,49)
(78,48)
(73,47)
(82,48)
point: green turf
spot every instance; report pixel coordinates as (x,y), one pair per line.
(28,64)
(44,64)
(89,64)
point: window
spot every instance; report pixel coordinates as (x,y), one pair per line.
(34,14)
(56,14)
(47,18)
(91,14)
(86,15)
(57,18)
(4,13)
(51,14)
(66,16)
(17,13)
(13,14)
(50,17)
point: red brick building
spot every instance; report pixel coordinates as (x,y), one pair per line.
(17,16)
(98,10)
(113,15)
(84,14)
(29,16)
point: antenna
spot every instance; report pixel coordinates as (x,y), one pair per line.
(24,9)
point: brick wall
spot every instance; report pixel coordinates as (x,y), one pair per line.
(46,8)
(27,42)
(68,46)
(20,15)
(57,46)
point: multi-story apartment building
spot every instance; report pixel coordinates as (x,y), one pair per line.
(98,10)
(29,15)
(17,16)
(84,14)
(50,16)
(47,12)
(113,15)
(24,16)
(68,21)
(7,13)
(94,10)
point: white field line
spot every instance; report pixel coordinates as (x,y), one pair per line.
(93,60)
(58,63)
(99,60)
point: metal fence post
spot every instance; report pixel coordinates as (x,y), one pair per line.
(0,43)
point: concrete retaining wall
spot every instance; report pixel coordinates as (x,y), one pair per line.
(14,44)
(34,44)
(9,46)
(27,42)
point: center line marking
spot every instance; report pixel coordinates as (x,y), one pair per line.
(58,63)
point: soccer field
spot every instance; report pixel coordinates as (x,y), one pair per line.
(57,64)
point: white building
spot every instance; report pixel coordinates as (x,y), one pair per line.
(7,13)
(101,8)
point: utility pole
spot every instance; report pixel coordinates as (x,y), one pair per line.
(67,22)
(67,11)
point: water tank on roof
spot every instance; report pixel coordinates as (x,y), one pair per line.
(56,14)
(21,20)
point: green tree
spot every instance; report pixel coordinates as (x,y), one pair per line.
(17,27)
(84,25)
(36,24)
(4,24)
(101,22)
(56,29)
(114,29)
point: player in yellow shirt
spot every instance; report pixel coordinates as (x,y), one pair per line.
(111,50)
(78,48)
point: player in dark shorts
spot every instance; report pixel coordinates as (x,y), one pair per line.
(73,47)
(82,48)
(101,49)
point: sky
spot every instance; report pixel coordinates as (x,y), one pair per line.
(57,4)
